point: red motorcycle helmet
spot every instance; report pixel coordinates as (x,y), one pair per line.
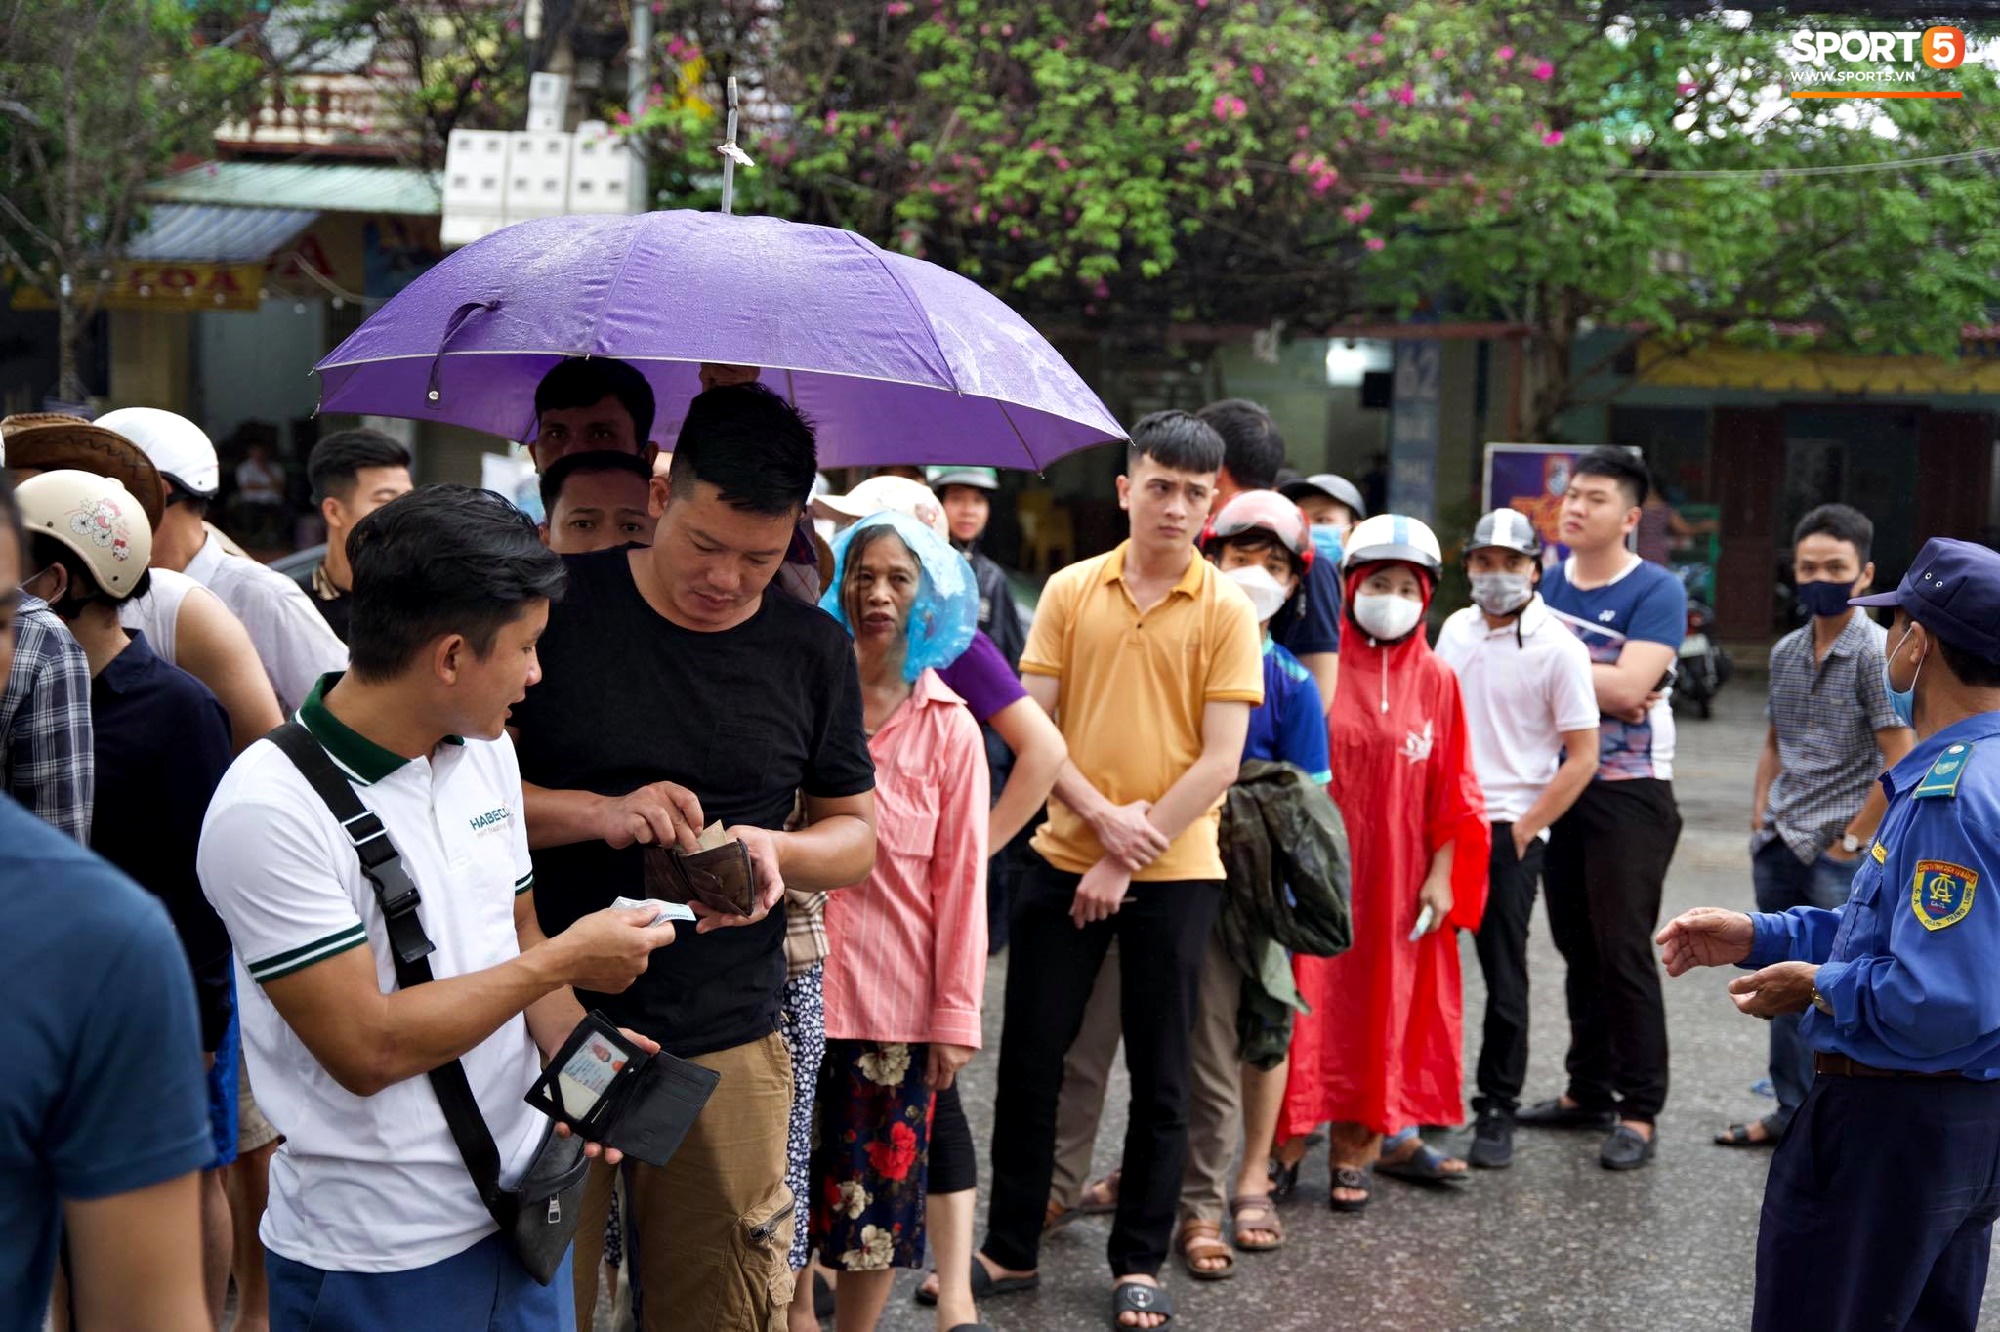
(1267,511)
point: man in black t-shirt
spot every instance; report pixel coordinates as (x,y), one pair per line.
(676,692)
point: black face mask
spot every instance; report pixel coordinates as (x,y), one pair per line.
(1825,600)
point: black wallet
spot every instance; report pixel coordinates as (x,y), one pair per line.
(610,1091)
(720,879)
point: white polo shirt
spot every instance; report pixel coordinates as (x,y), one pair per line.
(372,1184)
(291,636)
(1524,684)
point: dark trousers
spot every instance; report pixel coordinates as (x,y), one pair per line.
(1607,863)
(1880,1206)
(1162,932)
(1782,882)
(1502,943)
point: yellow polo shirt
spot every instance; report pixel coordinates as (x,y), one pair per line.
(1133,690)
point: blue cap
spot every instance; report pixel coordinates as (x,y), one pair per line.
(1953,590)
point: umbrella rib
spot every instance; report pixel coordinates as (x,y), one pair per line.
(1026,452)
(874,256)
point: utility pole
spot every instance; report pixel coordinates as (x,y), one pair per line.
(638,83)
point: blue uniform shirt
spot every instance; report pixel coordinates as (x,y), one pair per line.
(102,1091)
(1289,726)
(1318,629)
(1908,965)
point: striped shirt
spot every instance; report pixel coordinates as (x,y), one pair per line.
(47,747)
(906,955)
(1826,715)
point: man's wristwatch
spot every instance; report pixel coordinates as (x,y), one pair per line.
(1819,1002)
(1850,844)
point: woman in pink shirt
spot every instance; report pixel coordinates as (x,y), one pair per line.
(906,950)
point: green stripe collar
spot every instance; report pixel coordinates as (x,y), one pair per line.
(364,760)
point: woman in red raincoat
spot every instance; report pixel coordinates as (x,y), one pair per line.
(1381,1049)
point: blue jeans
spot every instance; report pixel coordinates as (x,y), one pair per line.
(484,1289)
(1784,881)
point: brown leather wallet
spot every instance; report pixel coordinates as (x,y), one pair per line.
(721,879)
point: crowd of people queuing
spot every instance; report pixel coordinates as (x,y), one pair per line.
(1222,800)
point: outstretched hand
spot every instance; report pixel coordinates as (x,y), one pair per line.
(1705,937)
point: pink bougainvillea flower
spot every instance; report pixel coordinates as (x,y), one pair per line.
(1375,243)
(1257,75)
(1303,133)
(623,118)
(1360,109)
(1160,35)
(1544,71)
(1193,146)
(832,122)
(1407,94)
(1376,38)
(1100,21)
(1504,54)
(1552,138)
(896,8)
(1684,88)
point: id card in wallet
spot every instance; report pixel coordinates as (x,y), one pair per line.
(610,1091)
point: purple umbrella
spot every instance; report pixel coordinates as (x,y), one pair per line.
(896,360)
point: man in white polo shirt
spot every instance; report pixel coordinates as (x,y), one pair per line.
(292,640)
(1532,710)
(374,1220)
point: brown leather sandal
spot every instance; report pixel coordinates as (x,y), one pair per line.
(1253,1211)
(1201,1241)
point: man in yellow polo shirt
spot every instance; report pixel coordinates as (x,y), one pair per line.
(1149,660)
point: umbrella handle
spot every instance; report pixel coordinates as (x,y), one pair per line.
(451,328)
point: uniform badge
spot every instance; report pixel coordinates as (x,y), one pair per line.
(1942,893)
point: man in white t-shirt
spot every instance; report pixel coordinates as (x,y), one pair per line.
(292,641)
(451,590)
(1532,710)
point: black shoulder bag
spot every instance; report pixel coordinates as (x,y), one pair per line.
(539,1217)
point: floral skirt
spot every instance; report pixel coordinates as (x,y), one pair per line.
(870,1152)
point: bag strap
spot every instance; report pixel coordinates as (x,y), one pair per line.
(396,893)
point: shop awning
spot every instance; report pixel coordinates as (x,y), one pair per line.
(328,187)
(215,234)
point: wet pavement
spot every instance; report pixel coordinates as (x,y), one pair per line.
(1555,1242)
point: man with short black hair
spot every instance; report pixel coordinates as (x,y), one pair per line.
(1832,732)
(1150,662)
(681,690)
(1608,856)
(374,1218)
(1253,453)
(354,473)
(593,501)
(589,403)
(98,1002)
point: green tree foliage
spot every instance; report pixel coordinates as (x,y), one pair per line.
(1138,163)
(96,98)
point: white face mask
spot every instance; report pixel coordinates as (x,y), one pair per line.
(1387,618)
(1502,593)
(1267,595)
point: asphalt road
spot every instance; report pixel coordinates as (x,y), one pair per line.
(1555,1242)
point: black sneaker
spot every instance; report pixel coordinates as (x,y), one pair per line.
(1628,1149)
(1552,1113)
(1492,1141)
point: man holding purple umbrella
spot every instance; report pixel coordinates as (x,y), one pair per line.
(678,691)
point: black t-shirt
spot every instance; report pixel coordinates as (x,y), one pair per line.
(161,747)
(338,612)
(744,718)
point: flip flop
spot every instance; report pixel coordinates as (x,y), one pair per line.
(1139,1298)
(1199,1240)
(1253,1211)
(1738,1135)
(1424,1166)
(985,1285)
